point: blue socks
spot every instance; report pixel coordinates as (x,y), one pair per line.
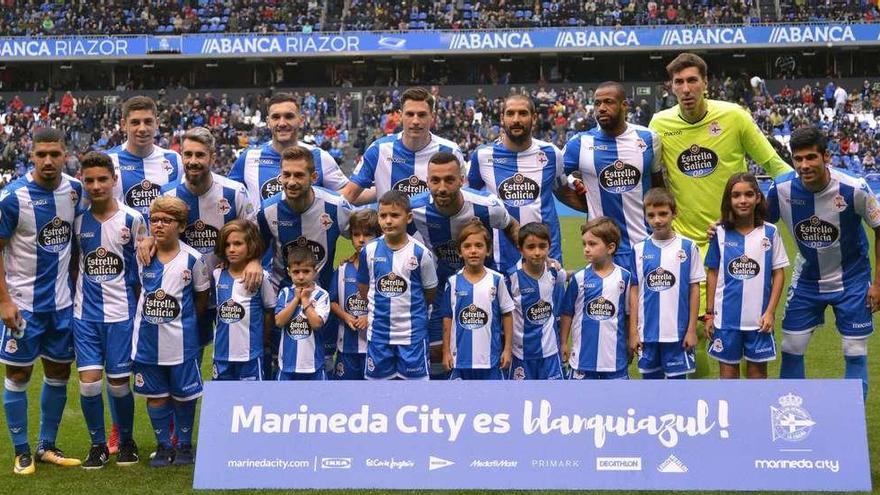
(52,402)
(122,402)
(792,366)
(92,404)
(857,367)
(184,418)
(15,404)
(160,418)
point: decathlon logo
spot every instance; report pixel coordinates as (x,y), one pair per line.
(618,464)
(790,422)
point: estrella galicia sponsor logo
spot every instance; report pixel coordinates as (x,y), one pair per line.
(494,464)
(618,464)
(392,463)
(55,235)
(790,421)
(447,252)
(518,190)
(619,177)
(556,463)
(539,312)
(270,188)
(743,268)
(142,194)
(659,280)
(160,307)
(356,305)
(816,233)
(298,328)
(600,309)
(472,317)
(102,265)
(336,463)
(201,236)
(230,312)
(410,186)
(697,161)
(317,249)
(391,285)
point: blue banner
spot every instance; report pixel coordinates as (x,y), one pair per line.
(671,38)
(670,435)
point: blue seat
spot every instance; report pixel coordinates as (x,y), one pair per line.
(527,14)
(466,14)
(518,14)
(475,15)
(413,16)
(204,28)
(572,21)
(423,16)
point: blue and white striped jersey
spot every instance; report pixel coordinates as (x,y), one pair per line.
(302,349)
(225,200)
(832,246)
(37,225)
(664,271)
(318,228)
(524,182)
(477,337)
(617,173)
(397,309)
(344,292)
(598,307)
(140,180)
(440,233)
(108,270)
(165,331)
(388,164)
(258,169)
(745,265)
(536,307)
(238,335)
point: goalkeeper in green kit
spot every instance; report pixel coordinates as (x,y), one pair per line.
(704,143)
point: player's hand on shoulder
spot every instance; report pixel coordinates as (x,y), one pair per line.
(710,231)
(146,249)
(252,277)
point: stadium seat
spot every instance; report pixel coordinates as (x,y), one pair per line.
(518,14)
(413,16)
(466,14)
(423,16)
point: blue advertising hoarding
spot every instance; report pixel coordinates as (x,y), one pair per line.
(653,38)
(672,435)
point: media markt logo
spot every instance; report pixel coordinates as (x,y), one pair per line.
(435,463)
(672,464)
(791,422)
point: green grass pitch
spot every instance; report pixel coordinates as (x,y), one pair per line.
(823,361)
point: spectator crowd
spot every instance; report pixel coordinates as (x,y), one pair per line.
(57,17)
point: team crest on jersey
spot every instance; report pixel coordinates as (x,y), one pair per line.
(472,317)
(578,374)
(492,292)
(542,158)
(412,263)
(743,268)
(659,280)
(621,286)
(391,285)
(316,249)
(839,202)
(539,312)
(518,190)
(74,196)
(55,235)
(326,221)
(230,312)
(298,328)
(201,236)
(142,194)
(186,275)
(766,244)
(619,177)
(370,365)
(600,309)
(790,422)
(641,144)
(410,186)
(102,265)
(697,161)
(224,206)
(124,235)
(519,373)
(138,380)
(816,233)
(160,307)
(717,345)
(715,128)
(271,187)
(681,255)
(340,369)
(166,166)
(11,346)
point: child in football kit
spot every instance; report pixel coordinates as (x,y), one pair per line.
(301,312)
(744,281)
(245,318)
(595,306)
(346,303)
(165,344)
(477,313)
(536,288)
(397,275)
(668,270)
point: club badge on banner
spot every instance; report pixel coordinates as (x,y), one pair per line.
(682,435)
